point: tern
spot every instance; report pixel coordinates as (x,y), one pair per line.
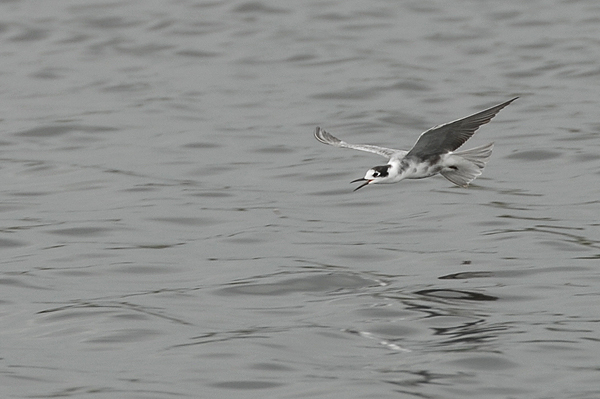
(433,153)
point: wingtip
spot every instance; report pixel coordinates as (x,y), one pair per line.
(322,136)
(326,138)
(318,133)
(504,104)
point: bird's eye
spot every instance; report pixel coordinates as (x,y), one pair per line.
(375,174)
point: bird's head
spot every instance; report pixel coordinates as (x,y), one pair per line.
(375,175)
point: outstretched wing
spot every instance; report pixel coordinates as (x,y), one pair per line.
(326,138)
(448,137)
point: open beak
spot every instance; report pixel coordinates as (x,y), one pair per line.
(362,185)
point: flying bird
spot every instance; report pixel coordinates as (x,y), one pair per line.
(433,153)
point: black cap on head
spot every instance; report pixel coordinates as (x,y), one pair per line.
(383,170)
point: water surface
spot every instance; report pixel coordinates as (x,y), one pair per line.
(170,227)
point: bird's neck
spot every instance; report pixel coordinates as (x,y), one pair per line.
(398,170)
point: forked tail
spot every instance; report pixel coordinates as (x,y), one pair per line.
(466,165)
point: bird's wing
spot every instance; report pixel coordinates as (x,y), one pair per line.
(326,138)
(448,137)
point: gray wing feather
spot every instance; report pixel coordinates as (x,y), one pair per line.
(326,138)
(449,136)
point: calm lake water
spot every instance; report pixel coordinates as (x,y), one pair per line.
(171,228)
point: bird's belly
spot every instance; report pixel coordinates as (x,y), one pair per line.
(422,170)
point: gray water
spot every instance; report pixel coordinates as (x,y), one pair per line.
(171,228)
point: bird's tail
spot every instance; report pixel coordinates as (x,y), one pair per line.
(466,165)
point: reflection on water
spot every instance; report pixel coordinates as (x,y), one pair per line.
(170,226)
